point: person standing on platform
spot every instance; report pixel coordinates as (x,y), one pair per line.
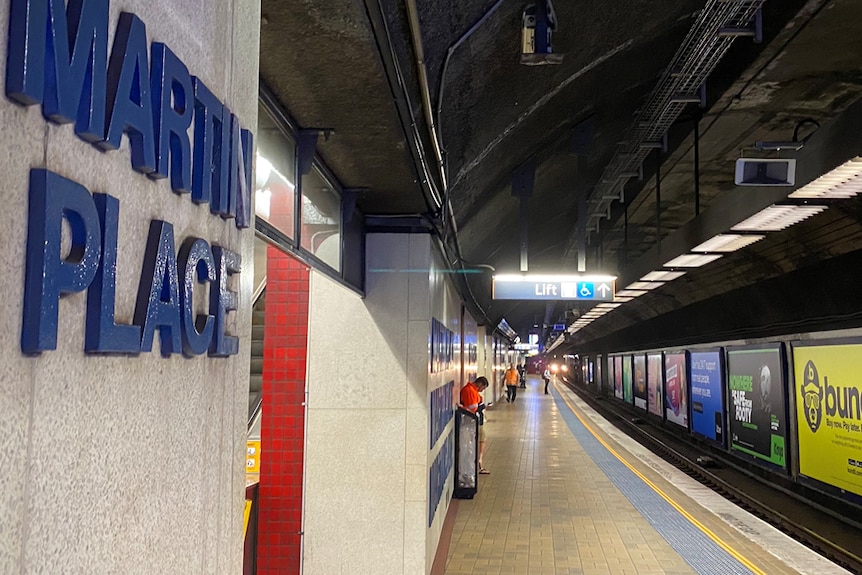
(472,401)
(510,378)
(522,372)
(547,377)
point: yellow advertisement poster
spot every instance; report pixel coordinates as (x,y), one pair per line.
(252,457)
(829,413)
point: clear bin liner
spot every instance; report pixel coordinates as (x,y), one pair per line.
(467,452)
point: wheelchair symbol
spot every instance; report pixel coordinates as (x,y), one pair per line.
(585,290)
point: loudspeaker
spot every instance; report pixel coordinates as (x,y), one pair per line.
(765,172)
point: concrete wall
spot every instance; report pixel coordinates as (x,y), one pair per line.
(127,464)
(369,380)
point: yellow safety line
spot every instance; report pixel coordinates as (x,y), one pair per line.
(664,496)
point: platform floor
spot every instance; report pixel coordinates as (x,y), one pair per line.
(569,494)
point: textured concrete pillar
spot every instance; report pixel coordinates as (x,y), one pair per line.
(125,464)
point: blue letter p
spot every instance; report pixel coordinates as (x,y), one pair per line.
(48,275)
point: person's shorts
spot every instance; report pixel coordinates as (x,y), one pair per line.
(481,433)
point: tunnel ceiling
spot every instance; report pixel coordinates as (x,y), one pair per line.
(350,66)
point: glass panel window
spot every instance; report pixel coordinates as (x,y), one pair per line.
(321,219)
(274,174)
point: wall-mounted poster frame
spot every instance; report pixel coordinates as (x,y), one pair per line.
(706,376)
(655,384)
(677,393)
(628,395)
(828,407)
(757,402)
(639,383)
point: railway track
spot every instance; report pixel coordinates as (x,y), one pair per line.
(797,518)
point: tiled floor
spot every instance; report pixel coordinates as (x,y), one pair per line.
(548,508)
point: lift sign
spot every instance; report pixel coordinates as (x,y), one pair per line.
(58,58)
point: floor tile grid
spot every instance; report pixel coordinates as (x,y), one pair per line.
(547,508)
(768,549)
(695,547)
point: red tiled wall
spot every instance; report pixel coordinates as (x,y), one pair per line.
(283,424)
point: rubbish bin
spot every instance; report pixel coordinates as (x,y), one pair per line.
(466,454)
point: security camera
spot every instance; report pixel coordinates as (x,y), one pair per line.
(538,23)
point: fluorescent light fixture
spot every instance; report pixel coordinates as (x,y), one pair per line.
(845,181)
(726,243)
(623,299)
(630,293)
(776,218)
(608,306)
(593,314)
(691,260)
(645,285)
(662,276)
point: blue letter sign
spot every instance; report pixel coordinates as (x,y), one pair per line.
(130,109)
(103,335)
(158,303)
(171,82)
(48,275)
(196,259)
(57,57)
(41,70)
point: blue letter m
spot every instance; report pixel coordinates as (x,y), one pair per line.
(58,58)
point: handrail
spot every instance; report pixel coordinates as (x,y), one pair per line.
(255,410)
(258,291)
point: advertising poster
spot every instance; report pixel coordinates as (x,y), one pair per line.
(829,413)
(585,377)
(640,392)
(707,402)
(599,382)
(676,394)
(756,399)
(655,384)
(627,378)
(618,377)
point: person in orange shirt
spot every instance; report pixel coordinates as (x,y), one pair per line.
(510,378)
(471,400)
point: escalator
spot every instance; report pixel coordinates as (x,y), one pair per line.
(255,405)
(255,382)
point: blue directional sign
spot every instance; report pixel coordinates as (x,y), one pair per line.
(548,287)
